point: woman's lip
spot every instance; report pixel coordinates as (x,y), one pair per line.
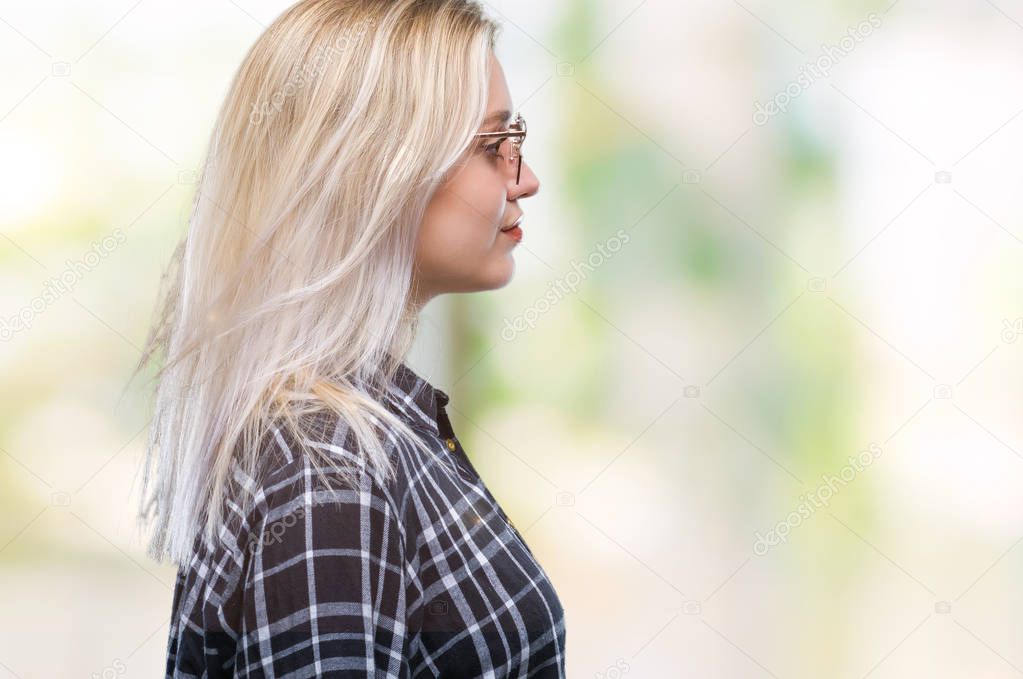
(515,233)
(517,222)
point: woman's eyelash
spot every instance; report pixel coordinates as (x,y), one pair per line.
(494,146)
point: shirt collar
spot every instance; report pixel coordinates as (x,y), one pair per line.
(412,396)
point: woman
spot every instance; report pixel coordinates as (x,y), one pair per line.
(323,515)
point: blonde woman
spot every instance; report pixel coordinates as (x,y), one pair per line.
(323,515)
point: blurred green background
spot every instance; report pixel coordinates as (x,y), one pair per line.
(769,238)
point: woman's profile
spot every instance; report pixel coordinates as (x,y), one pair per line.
(307,483)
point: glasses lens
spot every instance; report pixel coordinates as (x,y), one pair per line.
(512,154)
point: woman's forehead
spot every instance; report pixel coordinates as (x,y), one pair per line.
(499,100)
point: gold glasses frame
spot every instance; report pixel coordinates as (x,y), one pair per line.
(516,135)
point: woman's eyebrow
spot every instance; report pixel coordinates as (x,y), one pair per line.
(497,117)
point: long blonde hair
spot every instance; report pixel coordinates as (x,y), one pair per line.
(289,295)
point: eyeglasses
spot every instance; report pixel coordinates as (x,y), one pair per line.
(510,146)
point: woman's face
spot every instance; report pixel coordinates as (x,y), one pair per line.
(460,247)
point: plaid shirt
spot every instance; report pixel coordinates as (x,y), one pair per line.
(423,576)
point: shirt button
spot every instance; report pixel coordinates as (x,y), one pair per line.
(451,444)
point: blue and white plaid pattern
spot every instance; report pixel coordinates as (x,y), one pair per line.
(423,576)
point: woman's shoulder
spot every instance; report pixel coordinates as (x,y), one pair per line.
(321,461)
(322,443)
(292,520)
(318,470)
(314,479)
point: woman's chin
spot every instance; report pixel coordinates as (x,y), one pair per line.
(500,275)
